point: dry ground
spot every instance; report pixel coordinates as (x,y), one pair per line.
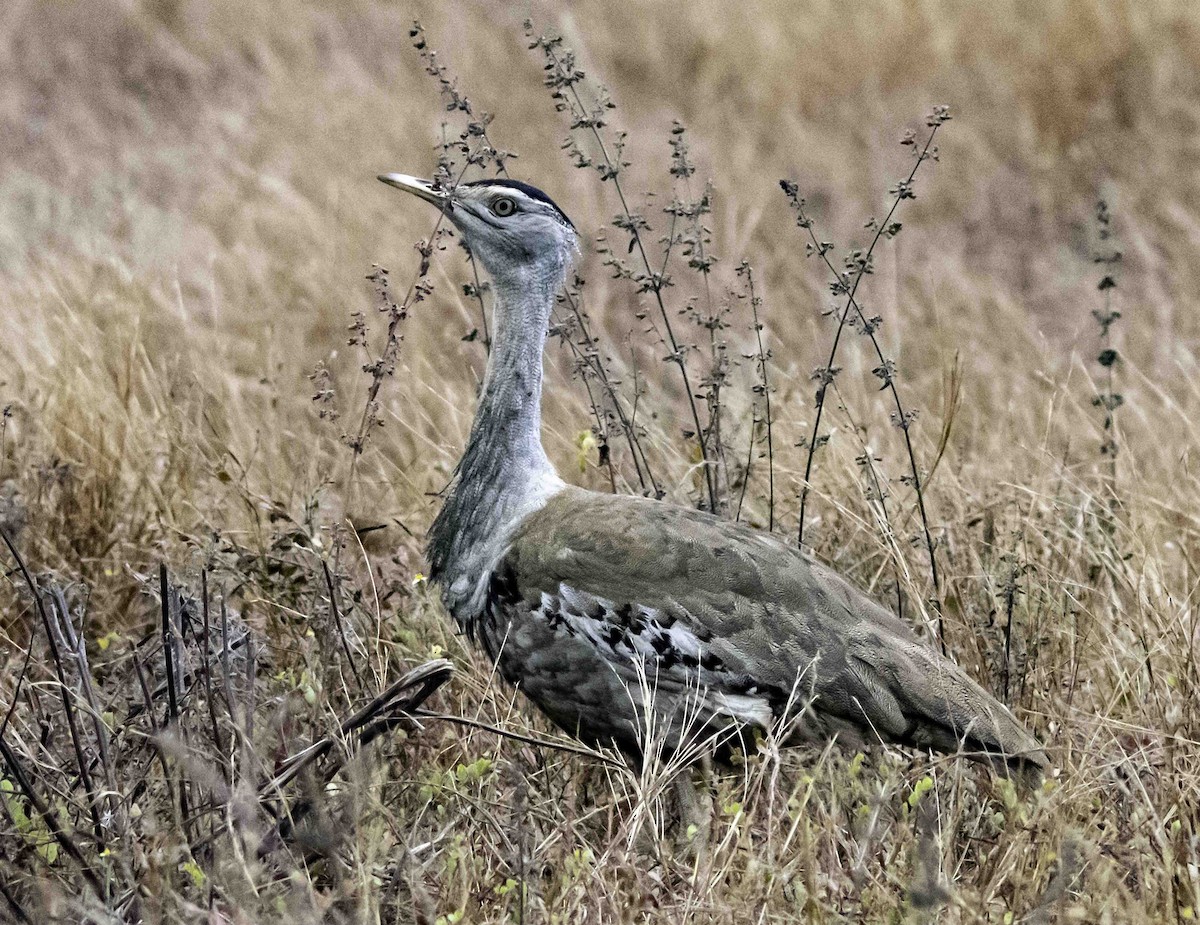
(187,213)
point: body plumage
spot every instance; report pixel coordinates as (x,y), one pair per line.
(621,615)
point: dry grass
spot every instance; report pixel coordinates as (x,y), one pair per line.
(187,213)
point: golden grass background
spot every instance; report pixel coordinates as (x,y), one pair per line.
(188,208)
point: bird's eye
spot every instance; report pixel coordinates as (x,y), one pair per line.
(504,206)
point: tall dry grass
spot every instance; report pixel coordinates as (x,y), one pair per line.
(187,213)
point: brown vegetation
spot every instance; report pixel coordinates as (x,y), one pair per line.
(188,212)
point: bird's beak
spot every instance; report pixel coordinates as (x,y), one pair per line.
(420,188)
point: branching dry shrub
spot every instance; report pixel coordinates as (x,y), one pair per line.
(858,264)
(1109,258)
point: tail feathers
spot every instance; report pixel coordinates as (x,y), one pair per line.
(922,699)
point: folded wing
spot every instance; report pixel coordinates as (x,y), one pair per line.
(767,633)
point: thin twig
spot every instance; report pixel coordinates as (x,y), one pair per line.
(430,676)
(478,292)
(337,622)
(9,898)
(209,696)
(737,514)
(75,642)
(654,282)
(746,270)
(169,655)
(383,713)
(64,840)
(903,421)
(8,714)
(876,487)
(518,737)
(148,700)
(64,691)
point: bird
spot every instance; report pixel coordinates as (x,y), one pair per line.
(622,616)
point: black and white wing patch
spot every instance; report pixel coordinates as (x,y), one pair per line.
(637,639)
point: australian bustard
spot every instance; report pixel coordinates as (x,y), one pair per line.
(587,601)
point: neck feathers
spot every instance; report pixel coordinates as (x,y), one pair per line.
(504,474)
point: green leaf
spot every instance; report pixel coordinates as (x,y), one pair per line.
(192,869)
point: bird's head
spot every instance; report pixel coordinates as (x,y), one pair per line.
(512,227)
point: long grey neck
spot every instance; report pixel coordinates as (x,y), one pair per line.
(504,473)
(506,436)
